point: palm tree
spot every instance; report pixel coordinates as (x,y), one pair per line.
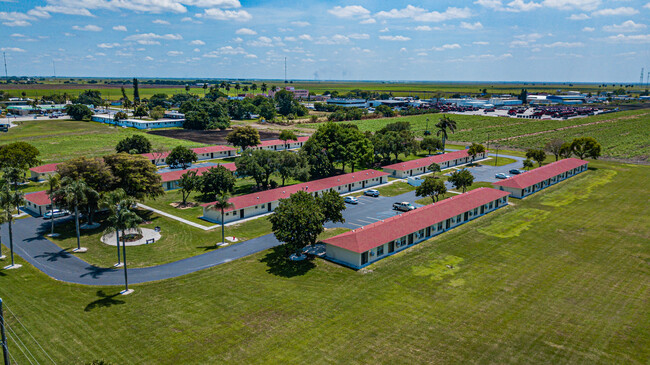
(253,87)
(222,85)
(53,181)
(8,201)
(237,86)
(114,201)
(125,219)
(222,204)
(263,88)
(75,193)
(444,124)
(3,219)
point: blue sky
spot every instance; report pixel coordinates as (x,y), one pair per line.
(479,40)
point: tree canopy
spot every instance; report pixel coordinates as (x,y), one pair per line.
(585,147)
(217,180)
(78,111)
(244,137)
(461,179)
(135,174)
(431,187)
(20,155)
(135,144)
(181,156)
(536,155)
(89,97)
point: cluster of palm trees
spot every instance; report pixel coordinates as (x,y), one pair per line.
(10,200)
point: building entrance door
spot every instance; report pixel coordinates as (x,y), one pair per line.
(364,258)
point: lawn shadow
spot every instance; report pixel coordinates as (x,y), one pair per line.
(280,265)
(105,301)
(591,168)
(208,248)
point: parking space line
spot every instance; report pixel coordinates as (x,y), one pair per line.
(376,219)
(354,224)
(361,220)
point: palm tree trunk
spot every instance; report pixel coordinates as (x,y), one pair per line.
(76,222)
(223,229)
(52,205)
(126,276)
(117,236)
(11,241)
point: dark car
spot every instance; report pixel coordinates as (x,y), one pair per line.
(515,171)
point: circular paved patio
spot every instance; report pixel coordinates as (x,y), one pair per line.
(147,234)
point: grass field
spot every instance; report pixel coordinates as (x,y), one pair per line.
(624,135)
(534,283)
(59,140)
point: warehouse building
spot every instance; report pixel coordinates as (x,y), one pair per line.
(348,103)
(280,145)
(138,123)
(202,153)
(530,182)
(266,201)
(40,173)
(37,203)
(420,166)
(363,246)
(170,179)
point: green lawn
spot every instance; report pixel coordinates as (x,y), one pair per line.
(59,140)
(501,161)
(178,241)
(536,282)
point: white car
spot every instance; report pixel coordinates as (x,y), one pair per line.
(351,200)
(371,192)
(56,213)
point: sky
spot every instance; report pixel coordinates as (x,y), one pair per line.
(479,40)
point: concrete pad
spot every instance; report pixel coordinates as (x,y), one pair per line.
(232,238)
(3,257)
(14,266)
(80,250)
(126,292)
(147,234)
(221,244)
(121,264)
(53,235)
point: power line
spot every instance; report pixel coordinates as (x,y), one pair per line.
(29,333)
(16,341)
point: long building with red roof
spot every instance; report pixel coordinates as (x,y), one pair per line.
(530,182)
(363,246)
(420,166)
(203,153)
(170,179)
(266,201)
(42,172)
(279,145)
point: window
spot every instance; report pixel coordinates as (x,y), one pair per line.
(458,218)
(440,226)
(380,250)
(475,211)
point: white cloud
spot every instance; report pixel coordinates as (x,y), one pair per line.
(197,42)
(335,39)
(637,38)
(264,41)
(250,55)
(300,24)
(423,28)
(514,6)
(446,47)
(349,12)
(470,26)
(196,50)
(218,14)
(368,21)
(150,36)
(160,21)
(384,30)
(305,37)
(148,42)
(625,27)
(409,11)
(359,36)
(423,15)
(87,28)
(585,5)
(17,23)
(174,53)
(12,49)
(119,28)
(245,31)
(398,38)
(616,11)
(238,39)
(647,6)
(564,45)
(581,16)
(18,35)
(148,58)
(108,45)
(481,43)
(588,29)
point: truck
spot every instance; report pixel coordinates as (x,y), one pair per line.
(403,206)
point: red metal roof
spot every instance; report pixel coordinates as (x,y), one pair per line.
(38,198)
(176,175)
(268,196)
(426,161)
(198,150)
(51,167)
(376,234)
(540,174)
(279,142)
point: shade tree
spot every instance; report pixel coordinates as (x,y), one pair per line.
(461,179)
(181,156)
(431,187)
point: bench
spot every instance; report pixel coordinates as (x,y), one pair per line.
(151,240)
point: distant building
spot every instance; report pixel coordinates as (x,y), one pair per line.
(37,203)
(420,166)
(202,153)
(530,182)
(138,123)
(505,101)
(171,179)
(279,145)
(567,99)
(297,93)
(172,114)
(28,109)
(40,173)
(348,103)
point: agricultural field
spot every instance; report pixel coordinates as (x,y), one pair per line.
(624,135)
(59,140)
(536,282)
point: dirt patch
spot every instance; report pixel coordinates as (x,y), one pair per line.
(207,137)
(187,205)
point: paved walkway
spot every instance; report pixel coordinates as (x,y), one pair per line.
(31,244)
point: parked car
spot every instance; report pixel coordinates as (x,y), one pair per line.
(371,192)
(501,175)
(56,213)
(515,171)
(403,206)
(351,200)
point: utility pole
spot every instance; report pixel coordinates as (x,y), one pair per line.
(285,70)
(496,159)
(4,55)
(5,348)
(54,69)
